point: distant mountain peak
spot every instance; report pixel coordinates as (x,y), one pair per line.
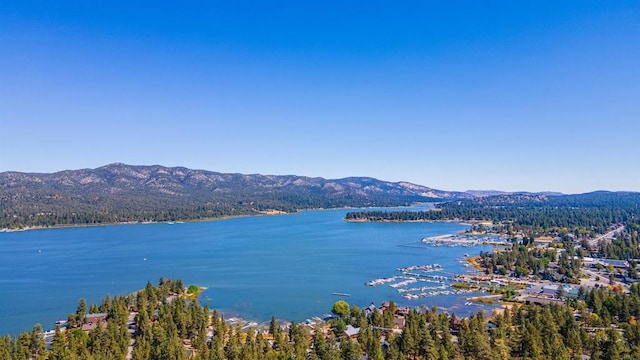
(486,193)
(106,193)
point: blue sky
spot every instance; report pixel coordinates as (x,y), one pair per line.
(456,95)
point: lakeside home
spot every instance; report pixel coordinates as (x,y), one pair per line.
(92,321)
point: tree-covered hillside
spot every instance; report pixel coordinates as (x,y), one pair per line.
(161,323)
(592,213)
(121,193)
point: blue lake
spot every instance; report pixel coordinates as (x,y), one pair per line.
(287,266)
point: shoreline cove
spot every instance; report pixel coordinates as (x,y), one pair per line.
(271,212)
(252,266)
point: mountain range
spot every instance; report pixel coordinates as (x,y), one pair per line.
(119,192)
(129,193)
(118,179)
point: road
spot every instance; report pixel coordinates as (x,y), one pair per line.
(132,332)
(608,236)
(591,281)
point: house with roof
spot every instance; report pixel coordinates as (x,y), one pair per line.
(402,310)
(550,290)
(371,308)
(398,323)
(539,300)
(92,321)
(352,332)
(572,292)
(617,264)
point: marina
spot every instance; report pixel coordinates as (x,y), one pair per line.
(425,268)
(452,240)
(297,262)
(429,273)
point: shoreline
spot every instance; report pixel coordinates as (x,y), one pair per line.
(71,226)
(178,221)
(240,313)
(463,222)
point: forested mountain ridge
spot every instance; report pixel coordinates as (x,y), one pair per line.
(530,214)
(119,192)
(487,193)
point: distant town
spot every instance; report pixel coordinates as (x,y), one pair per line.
(552,299)
(561,281)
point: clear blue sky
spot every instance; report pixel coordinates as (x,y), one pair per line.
(456,95)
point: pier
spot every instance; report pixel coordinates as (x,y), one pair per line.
(464,240)
(434,274)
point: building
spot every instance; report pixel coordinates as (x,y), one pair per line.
(352,332)
(542,300)
(93,320)
(617,264)
(550,290)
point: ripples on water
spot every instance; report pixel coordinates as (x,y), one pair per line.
(288,266)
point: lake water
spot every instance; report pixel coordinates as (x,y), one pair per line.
(287,266)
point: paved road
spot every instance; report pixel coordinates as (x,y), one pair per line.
(608,236)
(132,332)
(591,282)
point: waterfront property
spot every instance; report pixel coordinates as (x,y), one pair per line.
(296,264)
(92,321)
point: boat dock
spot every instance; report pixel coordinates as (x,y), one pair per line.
(464,240)
(440,280)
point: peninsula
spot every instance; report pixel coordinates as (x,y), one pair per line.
(119,193)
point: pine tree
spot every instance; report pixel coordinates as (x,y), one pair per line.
(232,349)
(37,347)
(574,341)
(531,344)
(81,311)
(613,347)
(350,350)
(5,348)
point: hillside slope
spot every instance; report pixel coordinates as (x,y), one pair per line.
(119,192)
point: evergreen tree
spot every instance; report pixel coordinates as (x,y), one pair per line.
(37,347)
(350,350)
(5,348)
(613,348)
(531,344)
(81,311)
